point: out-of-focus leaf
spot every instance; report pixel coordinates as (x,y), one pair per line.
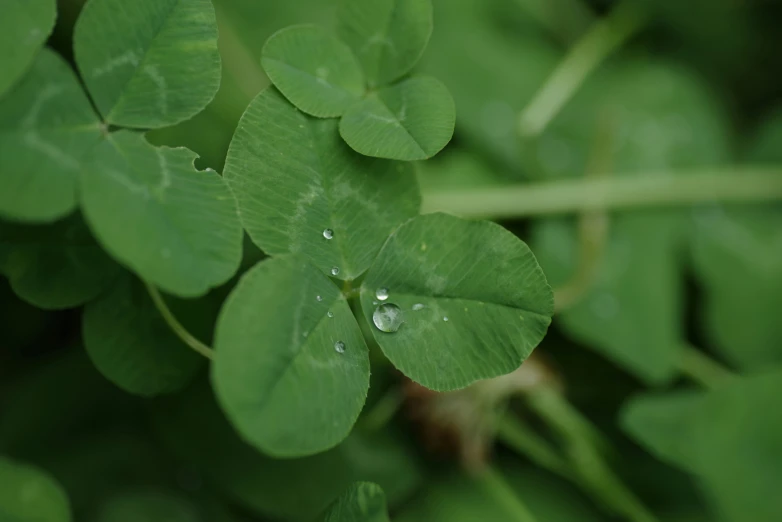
(29,494)
(131,344)
(46,127)
(411,120)
(173,225)
(733,432)
(149,506)
(465,301)
(301,190)
(291,369)
(387,36)
(737,255)
(24,27)
(54,266)
(457,168)
(313,69)
(148,63)
(659,118)
(362,502)
(288,489)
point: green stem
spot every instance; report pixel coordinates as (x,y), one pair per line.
(175,325)
(582,442)
(494,483)
(514,434)
(567,19)
(736,184)
(702,369)
(588,52)
(384,409)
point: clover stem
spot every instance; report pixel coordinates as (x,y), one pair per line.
(584,446)
(384,409)
(585,56)
(702,369)
(566,19)
(736,185)
(494,483)
(175,325)
(517,436)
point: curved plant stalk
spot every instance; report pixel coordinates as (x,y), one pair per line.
(494,483)
(702,369)
(585,56)
(175,325)
(737,184)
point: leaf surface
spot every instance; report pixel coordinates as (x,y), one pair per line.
(54,266)
(387,36)
(313,69)
(362,502)
(411,120)
(472,298)
(148,63)
(296,183)
(24,27)
(173,225)
(131,344)
(291,368)
(30,495)
(46,127)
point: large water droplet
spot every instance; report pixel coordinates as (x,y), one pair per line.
(328,233)
(318,298)
(418,306)
(381,294)
(330,313)
(388,317)
(334,270)
(339,346)
(445,318)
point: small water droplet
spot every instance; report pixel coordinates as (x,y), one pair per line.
(375,303)
(418,306)
(445,318)
(339,346)
(330,313)
(334,270)
(328,233)
(318,298)
(388,317)
(381,294)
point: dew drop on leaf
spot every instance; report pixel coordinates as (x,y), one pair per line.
(334,270)
(339,346)
(381,294)
(418,306)
(318,298)
(445,318)
(388,317)
(330,313)
(328,233)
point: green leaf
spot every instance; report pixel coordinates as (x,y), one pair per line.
(297,183)
(46,127)
(30,495)
(735,431)
(411,120)
(313,69)
(131,344)
(54,266)
(148,505)
(24,27)
(472,298)
(387,36)
(291,368)
(652,117)
(362,502)
(285,489)
(148,63)
(175,226)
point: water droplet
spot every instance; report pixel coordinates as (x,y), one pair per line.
(334,270)
(328,233)
(388,317)
(382,294)
(339,346)
(418,306)
(445,318)
(330,313)
(375,303)
(318,298)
